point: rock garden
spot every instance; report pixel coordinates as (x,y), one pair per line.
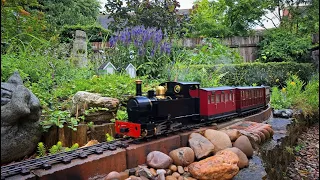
(212,154)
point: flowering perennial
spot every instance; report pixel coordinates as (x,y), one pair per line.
(145,40)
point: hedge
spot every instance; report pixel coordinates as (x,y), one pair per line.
(95,33)
(269,74)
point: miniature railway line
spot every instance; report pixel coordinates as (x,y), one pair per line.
(26,167)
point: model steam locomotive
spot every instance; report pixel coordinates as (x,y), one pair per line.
(176,104)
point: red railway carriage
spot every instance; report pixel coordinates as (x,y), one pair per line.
(217,102)
(250,98)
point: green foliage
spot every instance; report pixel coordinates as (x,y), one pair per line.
(159,14)
(278,99)
(201,75)
(56,148)
(41,149)
(69,12)
(259,73)
(281,45)
(294,94)
(122,115)
(225,17)
(73,147)
(214,53)
(95,33)
(109,138)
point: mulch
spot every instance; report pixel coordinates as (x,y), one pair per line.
(306,163)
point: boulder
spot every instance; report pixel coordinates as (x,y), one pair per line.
(221,166)
(283,113)
(232,133)
(20,120)
(113,176)
(105,107)
(182,156)
(243,160)
(200,145)
(158,160)
(243,143)
(219,139)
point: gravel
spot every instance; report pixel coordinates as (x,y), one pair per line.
(306,163)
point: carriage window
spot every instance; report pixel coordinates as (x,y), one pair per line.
(212,99)
(222,98)
(243,96)
(230,96)
(217,98)
(209,99)
(226,97)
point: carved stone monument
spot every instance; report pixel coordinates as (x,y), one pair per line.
(20,114)
(79,51)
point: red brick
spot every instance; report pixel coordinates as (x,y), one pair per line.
(84,168)
(137,153)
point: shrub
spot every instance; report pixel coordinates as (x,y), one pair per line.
(214,53)
(297,96)
(270,74)
(281,45)
(95,33)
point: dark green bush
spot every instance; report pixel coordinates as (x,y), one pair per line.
(95,33)
(270,74)
(281,45)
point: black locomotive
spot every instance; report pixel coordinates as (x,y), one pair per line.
(175,104)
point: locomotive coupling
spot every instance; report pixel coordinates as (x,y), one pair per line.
(138,88)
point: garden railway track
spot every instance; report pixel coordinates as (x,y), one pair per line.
(26,167)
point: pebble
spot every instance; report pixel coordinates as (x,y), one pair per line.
(175,174)
(180,170)
(173,168)
(171,178)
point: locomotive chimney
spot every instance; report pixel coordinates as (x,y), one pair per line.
(138,88)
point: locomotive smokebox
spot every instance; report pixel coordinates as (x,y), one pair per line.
(138,88)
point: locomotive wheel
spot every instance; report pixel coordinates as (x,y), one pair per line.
(144,133)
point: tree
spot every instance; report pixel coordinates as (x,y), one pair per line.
(70,12)
(226,17)
(154,13)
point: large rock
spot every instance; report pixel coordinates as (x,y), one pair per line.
(232,133)
(182,156)
(201,146)
(158,160)
(219,139)
(243,160)
(221,166)
(20,125)
(106,107)
(243,143)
